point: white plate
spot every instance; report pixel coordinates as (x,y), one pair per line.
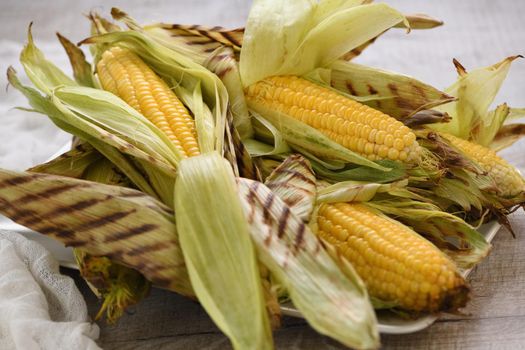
(388,323)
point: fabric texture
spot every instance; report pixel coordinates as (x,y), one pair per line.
(39,307)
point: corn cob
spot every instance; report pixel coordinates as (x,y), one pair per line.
(356,126)
(507,178)
(396,264)
(124,74)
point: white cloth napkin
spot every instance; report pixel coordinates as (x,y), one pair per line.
(39,307)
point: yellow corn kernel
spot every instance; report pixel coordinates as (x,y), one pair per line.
(124,74)
(396,264)
(329,111)
(507,178)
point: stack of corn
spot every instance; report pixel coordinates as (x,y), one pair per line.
(150,112)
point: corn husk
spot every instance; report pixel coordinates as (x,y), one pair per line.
(476,90)
(355,191)
(217,250)
(223,63)
(456,238)
(507,135)
(305,35)
(333,301)
(415,21)
(294,182)
(199,41)
(82,70)
(122,224)
(395,94)
(72,163)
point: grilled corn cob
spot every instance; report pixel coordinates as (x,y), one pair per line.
(124,74)
(356,126)
(396,264)
(507,178)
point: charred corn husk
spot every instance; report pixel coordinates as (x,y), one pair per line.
(357,127)
(125,74)
(507,178)
(396,264)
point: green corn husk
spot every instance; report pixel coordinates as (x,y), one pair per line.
(124,225)
(294,182)
(415,21)
(397,95)
(104,172)
(72,163)
(223,63)
(332,298)
(475,92)
(305,35)
(218,252)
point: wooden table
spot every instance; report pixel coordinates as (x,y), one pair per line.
(494,318)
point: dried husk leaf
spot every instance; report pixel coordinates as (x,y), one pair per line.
(475,91)
(507,135)
(421,21)
(333,302)
(82,70)
(218,252)
(294,182)
(122,224)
